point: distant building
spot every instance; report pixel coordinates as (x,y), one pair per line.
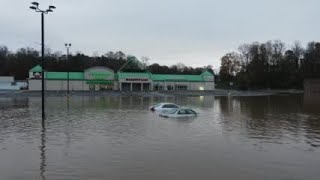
(312,87)
(8,83)
(103,78)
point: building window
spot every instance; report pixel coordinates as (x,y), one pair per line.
(170,88)
(158,87)
(181,87)
(92,87)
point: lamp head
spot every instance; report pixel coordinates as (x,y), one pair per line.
(33,8)
(52,7)
(49,10)
(35,3)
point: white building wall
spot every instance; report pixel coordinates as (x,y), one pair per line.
(34,84)
(8,83)
(30,74)
(55,85)
(78,86)
(58,85)
(62,85)
(192,86)
(8,86)
(6,79)
(197,86)
(209,86)
(115,85)
(85,86)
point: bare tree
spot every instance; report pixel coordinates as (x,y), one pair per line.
(95,54)
(298,50)
(120,55)
(180,66)
(145,61)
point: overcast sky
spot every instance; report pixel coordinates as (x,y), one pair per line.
(195,32)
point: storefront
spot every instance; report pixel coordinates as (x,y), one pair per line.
(104,79)
(134,81)
(100,78)
(178,82)
(94,79)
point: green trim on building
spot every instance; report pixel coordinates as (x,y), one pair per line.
(100,76)
(37,68)
(177,77)
(206,73)
(64,75)
(65,79)
(123,75)
(99,82)
(132,63)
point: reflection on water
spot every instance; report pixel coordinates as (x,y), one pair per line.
(43,153)
(274,137)
(311,104)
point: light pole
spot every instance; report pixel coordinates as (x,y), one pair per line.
(35,7)
(68,45)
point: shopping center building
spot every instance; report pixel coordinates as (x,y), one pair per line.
(102,78)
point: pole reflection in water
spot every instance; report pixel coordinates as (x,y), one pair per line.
(68,103)
(43,153)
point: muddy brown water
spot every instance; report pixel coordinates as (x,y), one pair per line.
(269,137)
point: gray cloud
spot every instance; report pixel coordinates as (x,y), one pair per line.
(195,32)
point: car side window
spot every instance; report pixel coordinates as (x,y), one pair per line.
(169,106)
(166,106)
(182,112)
(172,106)
(191,112)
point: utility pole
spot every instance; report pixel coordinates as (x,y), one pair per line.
(35,7)
(68,45)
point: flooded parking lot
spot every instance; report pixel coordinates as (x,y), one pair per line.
(266,137)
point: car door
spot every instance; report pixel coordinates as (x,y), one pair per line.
(183,113)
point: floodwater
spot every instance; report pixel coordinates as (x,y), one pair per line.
(243,138)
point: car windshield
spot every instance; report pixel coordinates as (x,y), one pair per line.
(172,111)
(157,105)
(169,106)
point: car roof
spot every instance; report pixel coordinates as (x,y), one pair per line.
(185,109)
(166,103)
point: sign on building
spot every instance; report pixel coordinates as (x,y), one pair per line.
(99,73)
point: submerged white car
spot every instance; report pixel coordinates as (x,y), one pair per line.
(179,112)
(163,107)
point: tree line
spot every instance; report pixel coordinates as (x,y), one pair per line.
(18,63)
(271,64)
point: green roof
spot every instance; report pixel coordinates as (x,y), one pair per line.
(132,63)
(207,73)
(37,68)
(123,75)
(176,77)
(64,75)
